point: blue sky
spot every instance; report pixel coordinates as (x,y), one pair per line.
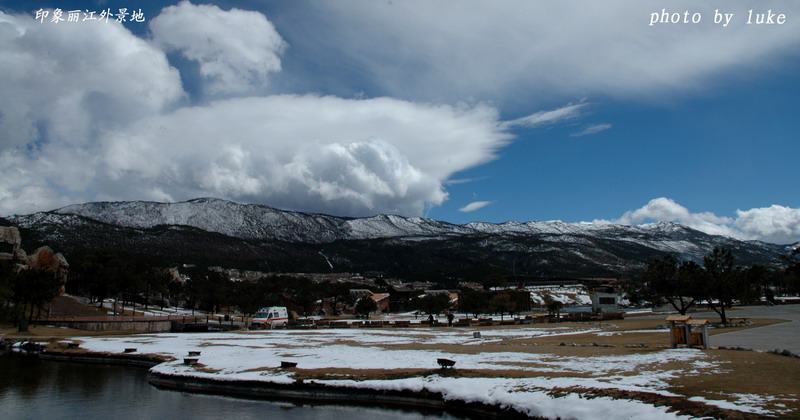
(456,110)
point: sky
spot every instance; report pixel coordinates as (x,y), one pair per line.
(495,111)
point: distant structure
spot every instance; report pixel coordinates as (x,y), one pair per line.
(43,257)
(10,241)
(605,302)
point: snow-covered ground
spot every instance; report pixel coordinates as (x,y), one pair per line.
(257,356)
(568,295)
(152,310)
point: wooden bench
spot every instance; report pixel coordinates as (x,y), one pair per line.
(738,320)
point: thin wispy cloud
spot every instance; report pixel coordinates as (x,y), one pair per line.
(458,181)
(592,129)
(540,118)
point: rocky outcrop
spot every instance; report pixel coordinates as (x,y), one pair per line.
(45,258)
(10,241)
(42,258)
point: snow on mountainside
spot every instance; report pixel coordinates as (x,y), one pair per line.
(214,215)
(261,222)
(203,228)
(248,221)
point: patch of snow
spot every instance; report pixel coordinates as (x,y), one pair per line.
(257,355)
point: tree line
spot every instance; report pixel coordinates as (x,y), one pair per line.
(24,293)
(717,282)
(504,302)
(103,274)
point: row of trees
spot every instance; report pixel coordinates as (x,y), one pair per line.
(507,302)
(102,274)
(470,302)
(25,292)
(717,282)
(210,290)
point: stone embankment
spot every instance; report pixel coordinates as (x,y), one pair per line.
(305,391)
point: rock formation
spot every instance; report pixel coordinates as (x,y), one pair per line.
(43,257)
(10,241)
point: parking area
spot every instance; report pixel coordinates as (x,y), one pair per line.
(784,336)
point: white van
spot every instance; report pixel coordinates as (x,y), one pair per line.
(272,316)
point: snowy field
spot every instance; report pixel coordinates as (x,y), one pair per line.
(523,380)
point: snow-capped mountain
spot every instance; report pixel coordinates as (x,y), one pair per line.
(249,221)
(538,247)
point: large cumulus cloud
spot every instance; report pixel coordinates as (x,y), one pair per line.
(112,123)
(92,112)
(63,86)
(346,156)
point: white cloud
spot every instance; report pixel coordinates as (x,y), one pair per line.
(509,49)
(475,205)
(776,224)
(69,82)
(63,87)
(592,129)
(665,209)
(343,156)
(88,118)
(88,111)
(234,49)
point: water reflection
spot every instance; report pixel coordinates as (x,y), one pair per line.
(35,389)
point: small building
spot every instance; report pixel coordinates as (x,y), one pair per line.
(359,293)
(400,296)
(10,241)
(605,302)
(419,285)
(382,300)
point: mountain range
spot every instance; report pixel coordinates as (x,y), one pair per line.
(220,232)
